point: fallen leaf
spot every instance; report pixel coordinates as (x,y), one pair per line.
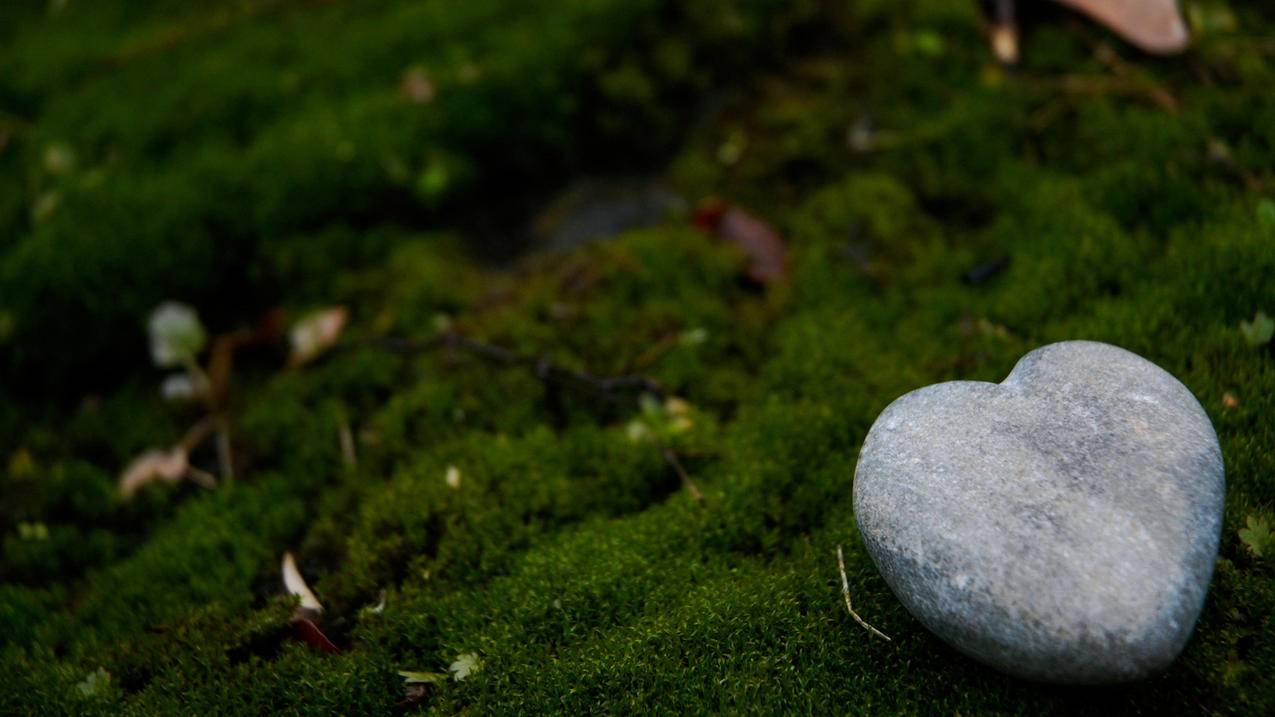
(464,665)
(95,684)
(1259,331)
(153,465)
(418,678)
(295,584)
(176,334)
(1257,536)
(310,634)
(765,249)
(1229,400)
(1155,26)
(315,333)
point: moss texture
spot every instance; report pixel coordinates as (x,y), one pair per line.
(242,155)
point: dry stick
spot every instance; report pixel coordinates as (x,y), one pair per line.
(845,591)
(670,457)
(225,459)
(346,437)
(544,369)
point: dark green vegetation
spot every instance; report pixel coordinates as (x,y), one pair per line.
(242,155)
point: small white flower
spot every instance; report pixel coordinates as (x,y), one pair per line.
(453,477)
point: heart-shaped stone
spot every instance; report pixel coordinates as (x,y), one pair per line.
(1061,525)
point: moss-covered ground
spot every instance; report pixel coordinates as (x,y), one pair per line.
(245,155)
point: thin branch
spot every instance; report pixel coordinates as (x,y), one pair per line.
(197,434)
(346,438)
(544,368)
(845,591)
(225,459)
(201,477)
(670,457)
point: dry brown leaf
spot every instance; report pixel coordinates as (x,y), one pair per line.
(316,333)
(310,634)
(295,584)
(1155,26)
(153,465)
(765,249)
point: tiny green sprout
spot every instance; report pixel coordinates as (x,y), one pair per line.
(1257,536)
(1259,331)
(176,334)
(33,531)
(660,421)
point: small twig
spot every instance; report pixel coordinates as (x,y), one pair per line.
(544,369)
(845,591)
(1137,78)
(670,457)
(225,459)
(197,434)
(346,437)
(201,477)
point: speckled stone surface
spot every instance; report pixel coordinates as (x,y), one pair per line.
(1061,525)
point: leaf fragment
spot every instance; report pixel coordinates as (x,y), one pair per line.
(295,584)
(153,465)
(311,635)
(95,684)
(1155,26)
(464,665)
(176,334)
(315,333)
(765,249)
(1259,331)
(419,678)
(1257,536)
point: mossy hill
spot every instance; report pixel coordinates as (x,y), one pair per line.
(242,156)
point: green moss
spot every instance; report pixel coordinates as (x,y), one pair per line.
(569,558)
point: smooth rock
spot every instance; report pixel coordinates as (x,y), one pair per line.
(1061,525)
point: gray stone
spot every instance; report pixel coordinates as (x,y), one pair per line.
(1061,525)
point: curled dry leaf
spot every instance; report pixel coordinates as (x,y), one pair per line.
(315,333)
(296,585)
(765,249)
(153,465)
(1156,26)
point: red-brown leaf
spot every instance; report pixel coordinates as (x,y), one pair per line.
(765,249)
(310,634)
